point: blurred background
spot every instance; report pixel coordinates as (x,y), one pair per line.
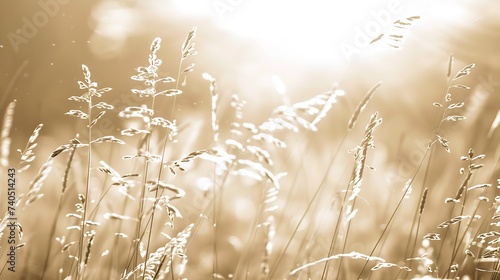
(269,52)
(309,45)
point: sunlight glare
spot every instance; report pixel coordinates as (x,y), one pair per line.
(303,30)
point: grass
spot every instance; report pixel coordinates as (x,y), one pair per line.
(250,204)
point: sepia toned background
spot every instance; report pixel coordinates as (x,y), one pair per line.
(253,49)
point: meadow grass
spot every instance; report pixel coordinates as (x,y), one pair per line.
(250,204)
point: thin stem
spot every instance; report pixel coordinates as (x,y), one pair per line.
(316,193)
(393,215)
(254,231)
(416,219)
(54,224)
(164,148)
(140,210)
(324,275)
(80,269)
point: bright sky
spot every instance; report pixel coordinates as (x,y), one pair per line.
(310,31)
(314,31)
